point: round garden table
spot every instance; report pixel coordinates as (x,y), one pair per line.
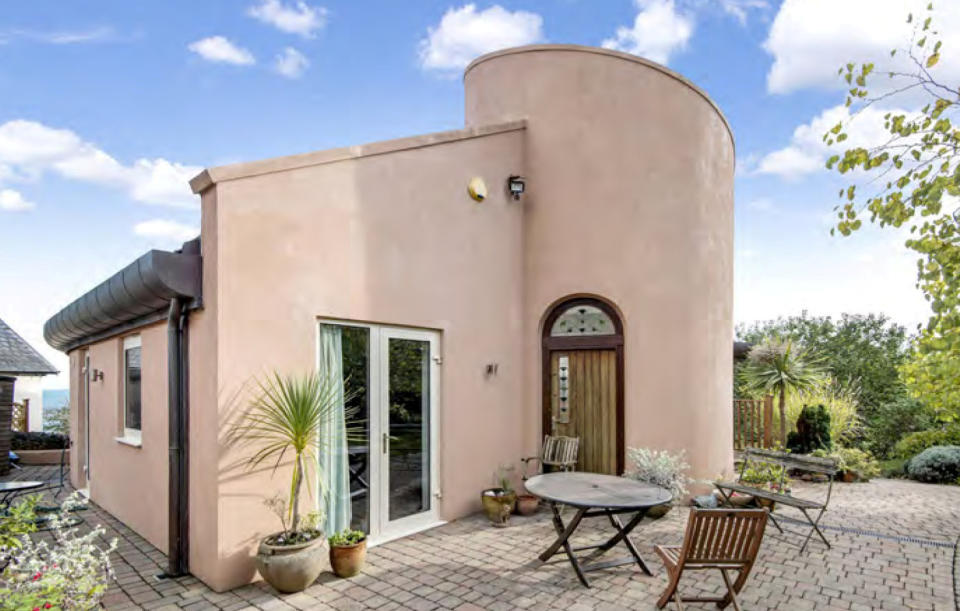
(592,495)
(8,490)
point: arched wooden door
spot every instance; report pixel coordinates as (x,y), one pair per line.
(583,381)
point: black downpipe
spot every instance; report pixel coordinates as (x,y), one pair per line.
(178,414)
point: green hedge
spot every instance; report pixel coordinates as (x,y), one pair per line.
(914,443)
(37,441)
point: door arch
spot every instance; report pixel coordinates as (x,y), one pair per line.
(582,352)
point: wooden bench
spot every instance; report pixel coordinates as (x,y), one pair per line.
(786,462)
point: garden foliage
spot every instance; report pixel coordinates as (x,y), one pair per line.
(35,440)
(813,431)
(939,464)
(661,468)
(915,443)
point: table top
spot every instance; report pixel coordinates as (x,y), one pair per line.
(19,485)
(596,490)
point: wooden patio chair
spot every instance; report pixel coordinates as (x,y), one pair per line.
(558,453)
(716,539)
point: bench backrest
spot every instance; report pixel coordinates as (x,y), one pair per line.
(726,536)
(810,464)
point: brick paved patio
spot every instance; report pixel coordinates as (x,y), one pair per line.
(469,565)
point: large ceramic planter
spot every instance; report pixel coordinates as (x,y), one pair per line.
(291,568)
(497,505)
(348,560)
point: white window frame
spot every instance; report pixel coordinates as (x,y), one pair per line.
(131,437)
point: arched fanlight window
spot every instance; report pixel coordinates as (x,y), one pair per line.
(582,320)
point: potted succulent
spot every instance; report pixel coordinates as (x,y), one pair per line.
(284,420)
(768,477)
(498,501)
(660,468)
(348,552)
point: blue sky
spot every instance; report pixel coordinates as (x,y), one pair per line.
(106,108)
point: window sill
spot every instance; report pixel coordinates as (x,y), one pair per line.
(129,441)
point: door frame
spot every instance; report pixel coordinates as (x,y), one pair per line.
(380,526)
(83,420)
(550,344)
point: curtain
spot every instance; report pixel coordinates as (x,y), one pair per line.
(334,467)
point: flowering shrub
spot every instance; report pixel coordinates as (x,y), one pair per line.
(69,572)
(660,468)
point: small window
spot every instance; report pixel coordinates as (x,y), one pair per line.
(131,388)
(583,320)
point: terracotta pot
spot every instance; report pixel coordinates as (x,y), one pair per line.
(291,568)
(849,477)
(766,503)
(527,504)
(497,505)
(348,560)
(741,500)
(658,511)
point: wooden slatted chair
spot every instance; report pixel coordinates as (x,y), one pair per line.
(559,453)
(716,539)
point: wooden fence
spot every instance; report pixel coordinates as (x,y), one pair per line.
(753,423)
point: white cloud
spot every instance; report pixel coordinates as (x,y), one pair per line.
(811,39)
(658,31)
(298,18)
(29,149)
(63,37)
(464,34)
(219,49)
(166,230)
(291,63)
(807,153)
(739,9)
(13,201)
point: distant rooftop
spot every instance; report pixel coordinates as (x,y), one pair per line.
(17,357)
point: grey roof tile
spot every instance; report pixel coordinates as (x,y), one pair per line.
(18,357)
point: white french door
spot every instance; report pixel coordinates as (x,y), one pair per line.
(393,460)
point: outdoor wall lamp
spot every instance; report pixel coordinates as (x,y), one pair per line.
(516,185)
(97,375)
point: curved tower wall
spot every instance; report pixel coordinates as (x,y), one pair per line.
(629,197)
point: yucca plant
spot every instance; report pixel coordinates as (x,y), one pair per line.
(776,366)
(286,417)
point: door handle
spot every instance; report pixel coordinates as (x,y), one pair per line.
(383,445)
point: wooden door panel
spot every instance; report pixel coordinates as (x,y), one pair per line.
(592,400)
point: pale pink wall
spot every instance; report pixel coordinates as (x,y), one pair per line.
(629,197)
(386,238)
(129,482)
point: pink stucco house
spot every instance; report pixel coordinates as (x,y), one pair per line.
(598,302)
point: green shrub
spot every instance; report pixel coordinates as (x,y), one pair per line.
(939,464)
(37,441)
(347,537)
(915,443)
(890,422)
(861,463)
(893,467)
(813,431)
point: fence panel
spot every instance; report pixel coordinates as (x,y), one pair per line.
(753,423)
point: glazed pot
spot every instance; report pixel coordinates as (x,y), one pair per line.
(291,568)
(527,504)
(498,504)
(348,560)
(766,503)
(658,511)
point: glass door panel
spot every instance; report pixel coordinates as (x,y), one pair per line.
(408,427)
(356,381)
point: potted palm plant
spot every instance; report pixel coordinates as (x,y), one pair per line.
(285,419)
(348,552)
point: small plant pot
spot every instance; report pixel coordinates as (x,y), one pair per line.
(348,560)
(765,503)
(527,504)
(849,476)
(498,504)
(658,511)
(291,568)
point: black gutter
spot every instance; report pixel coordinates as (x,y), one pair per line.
(178,413)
